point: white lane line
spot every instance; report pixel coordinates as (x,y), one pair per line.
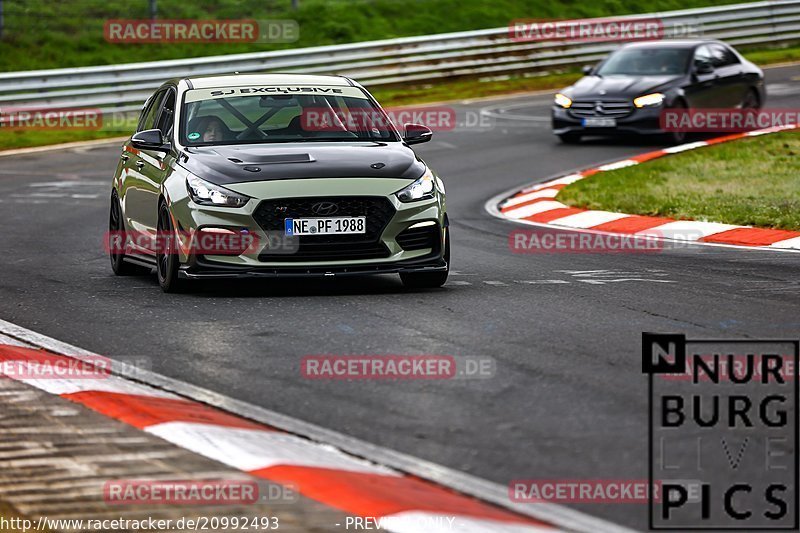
(684,147)
(254,449)
(110,384)
(541,281)
(587,219)
(687,230)
(12,341)
(522,198)
(533,209)
(793,243)
(617,280)
(617,165)
(482,489)
(566,180)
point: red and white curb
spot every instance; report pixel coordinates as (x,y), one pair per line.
(322,472)
(536,205)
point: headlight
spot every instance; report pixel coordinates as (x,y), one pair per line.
(562,101)
(649,100)
(205,193)
(422,189)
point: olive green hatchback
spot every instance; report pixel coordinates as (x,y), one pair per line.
(250,176)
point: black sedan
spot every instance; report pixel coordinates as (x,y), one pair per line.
(626,92)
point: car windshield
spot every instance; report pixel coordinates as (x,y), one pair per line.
(281,114)
(646,62)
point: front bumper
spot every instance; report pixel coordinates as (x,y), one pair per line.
(643,121)
(202,269)
(401,251)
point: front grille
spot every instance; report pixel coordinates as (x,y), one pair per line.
(419,238)
(601,108)
(270,215)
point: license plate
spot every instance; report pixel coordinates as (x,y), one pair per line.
(326,226)
(598,122)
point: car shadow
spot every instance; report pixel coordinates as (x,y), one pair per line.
(372,285)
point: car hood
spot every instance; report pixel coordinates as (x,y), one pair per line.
(618,86)
(245,163)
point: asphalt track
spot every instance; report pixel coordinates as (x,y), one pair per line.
(568,400)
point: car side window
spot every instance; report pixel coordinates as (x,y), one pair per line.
(722,56)
(148,118)
(703,55)
(165,118)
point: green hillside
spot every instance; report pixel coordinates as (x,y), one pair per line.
(51,34)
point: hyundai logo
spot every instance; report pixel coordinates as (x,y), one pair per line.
(324,208)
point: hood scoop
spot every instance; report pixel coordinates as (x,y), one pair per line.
(271,159)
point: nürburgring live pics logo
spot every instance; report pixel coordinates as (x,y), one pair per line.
(723,433)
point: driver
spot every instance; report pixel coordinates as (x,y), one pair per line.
(211,128)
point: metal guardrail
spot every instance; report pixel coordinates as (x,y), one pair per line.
(481,53)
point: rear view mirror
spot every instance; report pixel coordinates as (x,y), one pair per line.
(587,70)
(703,67)
(150,140)
(417,133)
(278,100)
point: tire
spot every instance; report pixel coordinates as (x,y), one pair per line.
(429,280)
(116,225)
(677,137)
(751,100)
(167,261)
(570,138)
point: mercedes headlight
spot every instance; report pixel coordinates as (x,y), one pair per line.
(649,100)
(563,101)
(205,193)
(422,189)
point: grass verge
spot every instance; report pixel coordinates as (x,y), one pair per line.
(42,34)
(754,182)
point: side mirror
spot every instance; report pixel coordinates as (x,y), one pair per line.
(417,133)
(587,69)
(150,140)
(703,67)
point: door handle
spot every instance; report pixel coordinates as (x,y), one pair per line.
(124,157)
(139,164)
